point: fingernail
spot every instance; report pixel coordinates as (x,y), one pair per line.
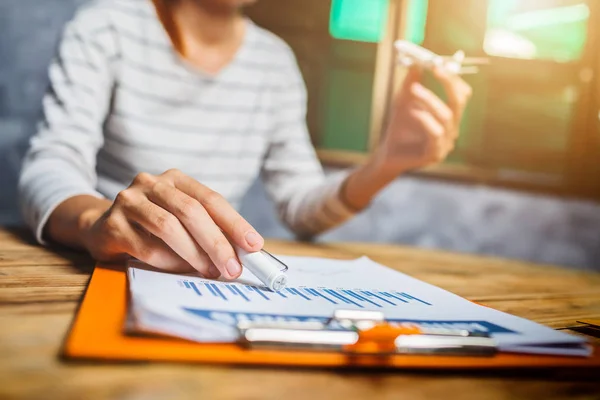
(233,267)
(252,238)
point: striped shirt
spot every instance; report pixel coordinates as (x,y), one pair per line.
(121,101)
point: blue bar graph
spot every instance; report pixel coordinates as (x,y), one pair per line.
(297,293)
(209,287)
(232,290)
(359,297)
(340,297)
(395,297)
(344,299)
(314,292)
(408,296)
(257,290)
(219,293)
(195,288)
(237,289)
(377,296)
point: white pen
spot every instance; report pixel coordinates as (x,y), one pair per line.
(263,268)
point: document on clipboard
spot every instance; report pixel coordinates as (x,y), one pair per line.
(209,311)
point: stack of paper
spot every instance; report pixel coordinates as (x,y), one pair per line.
(208,311)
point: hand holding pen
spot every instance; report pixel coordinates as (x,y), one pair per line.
(174,223)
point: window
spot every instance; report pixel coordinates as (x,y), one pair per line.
(549,30)
(533,120)
(528,122)
(359,20)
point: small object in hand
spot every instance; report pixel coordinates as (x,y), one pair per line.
(410,54)
(264,266)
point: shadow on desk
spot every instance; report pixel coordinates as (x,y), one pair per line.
(79,260)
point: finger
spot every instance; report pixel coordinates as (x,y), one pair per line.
(427,123)
(213,272)
(414,75)
(143,246)
(432,103)
(457,90)
(199,223)
(153,251)
(163,225)
(221,212)
(434,131)
(188,212)
(144,182)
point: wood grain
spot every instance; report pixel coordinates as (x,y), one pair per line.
(41,288)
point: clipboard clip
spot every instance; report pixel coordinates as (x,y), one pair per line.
(356,333)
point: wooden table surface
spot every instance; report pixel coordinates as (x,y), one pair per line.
(41,288)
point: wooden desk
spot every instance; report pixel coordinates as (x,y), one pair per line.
(40,290)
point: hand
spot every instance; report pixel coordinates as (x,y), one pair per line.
(174,223)
(422,129)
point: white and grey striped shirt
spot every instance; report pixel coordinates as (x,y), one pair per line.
(121,101)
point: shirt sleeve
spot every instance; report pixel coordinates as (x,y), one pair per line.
(61,160)
(307,201)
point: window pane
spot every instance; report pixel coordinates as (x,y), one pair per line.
(416,21)
(359,20)
(348,117)
(537,29)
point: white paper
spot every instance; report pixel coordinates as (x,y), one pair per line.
(208,311)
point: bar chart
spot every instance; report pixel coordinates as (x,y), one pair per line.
(353,297)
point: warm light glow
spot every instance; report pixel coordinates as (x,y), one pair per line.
(549,17)
(509,44)
(550,32)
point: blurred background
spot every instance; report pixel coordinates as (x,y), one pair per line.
(524,180)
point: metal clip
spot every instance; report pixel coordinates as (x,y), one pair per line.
(284,267)
(363,333)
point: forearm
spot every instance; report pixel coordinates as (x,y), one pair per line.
(363,184)
(312,209)
(73,217)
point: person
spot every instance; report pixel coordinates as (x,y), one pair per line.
(160,114)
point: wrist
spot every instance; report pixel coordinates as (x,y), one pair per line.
(365,182)
(382,169)
(85,223)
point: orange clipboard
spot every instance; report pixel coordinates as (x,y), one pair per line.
(97,333)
